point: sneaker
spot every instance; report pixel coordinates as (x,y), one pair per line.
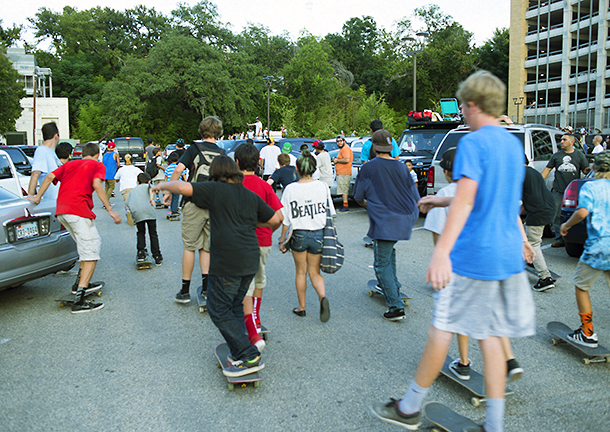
(579,337)
(558,244)
(390,413)
(394,314)
(513,370)
(259,343)
(141,256)
(90,288)
(243,367)
(158,260)
(324,310)
(86,307)
(459,370)
(544,284)
(183,297)
(343,209)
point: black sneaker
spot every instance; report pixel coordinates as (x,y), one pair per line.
(513,370)
(343,209)
(390,413)
(579,337)
(86,307)
(243,367)
(141,256)
(94,286)
(183,297)
(394,314)
(158,260)
(544,284)
(324,310)
(459,370)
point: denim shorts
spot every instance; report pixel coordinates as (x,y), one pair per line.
(307,241)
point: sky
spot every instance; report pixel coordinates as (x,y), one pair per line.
(318,17)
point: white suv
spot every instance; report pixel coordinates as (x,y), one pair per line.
(539,142)
(9,178)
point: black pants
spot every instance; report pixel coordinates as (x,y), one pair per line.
(152,233)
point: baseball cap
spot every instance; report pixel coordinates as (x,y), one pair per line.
(447,159)
(111,145)
(318,144)
(602,162)
(340,136)
(270,139)
(382,141)
(287,147)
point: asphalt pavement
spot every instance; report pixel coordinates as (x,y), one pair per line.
(146,363)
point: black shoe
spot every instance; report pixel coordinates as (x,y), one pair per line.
(158,260)
(544,284)
(90,288)
(513,370)
(141,256)
(183,297)
(324,310)
(394,314)
(579,337)
(299,313)
(86,307)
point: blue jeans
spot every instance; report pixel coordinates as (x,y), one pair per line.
(225,297)
(175,201)
(385,271)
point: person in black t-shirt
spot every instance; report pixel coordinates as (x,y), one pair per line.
(286,174)
(235,212)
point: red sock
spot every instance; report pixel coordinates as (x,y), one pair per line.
(251,328)
(587,323)
(257,310)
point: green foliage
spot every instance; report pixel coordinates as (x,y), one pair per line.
(493,55)
(11,92)
(10,35)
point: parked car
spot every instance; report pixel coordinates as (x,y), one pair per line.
(168,150)
(78,151)
(19,158)
(577,235)
(29,150)
(539,142)
(33,243)
(133,146)
(10,179)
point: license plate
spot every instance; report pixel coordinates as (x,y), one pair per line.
(27,230)
(135,155)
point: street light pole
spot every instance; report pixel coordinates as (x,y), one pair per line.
(421,39)
(517,104)
(267,81)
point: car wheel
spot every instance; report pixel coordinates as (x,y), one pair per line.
(574,249)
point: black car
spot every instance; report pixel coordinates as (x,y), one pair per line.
(577,235)
(19,158)
(133,146)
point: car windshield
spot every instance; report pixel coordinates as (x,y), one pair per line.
(453,139)
(124,144)
(16,156)
(421,141)
(5,167)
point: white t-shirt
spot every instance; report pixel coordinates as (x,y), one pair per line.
(270,153)
(46,161)
(127,176)
(305,205)
(293,159)
(437,217)
(325,167)
(259,127)
(161,174)
(598,149)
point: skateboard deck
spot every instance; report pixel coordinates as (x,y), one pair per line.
(202,300)
(533,271)
(144,265)
(368,242)
(594,355)
(221,352)
(375,289)
(69,299)
(476,383)
(170,218)
(445,418)
(287,238)
(264,332)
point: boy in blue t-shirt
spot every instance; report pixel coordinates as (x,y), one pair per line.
(594,202)
(169,170)
(477,269)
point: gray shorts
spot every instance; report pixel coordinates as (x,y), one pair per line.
(479,308)
(195,228)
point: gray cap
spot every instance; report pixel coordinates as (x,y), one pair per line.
(382,141)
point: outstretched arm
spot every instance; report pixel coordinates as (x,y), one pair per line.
(176,187)
(577,217)
(43,187)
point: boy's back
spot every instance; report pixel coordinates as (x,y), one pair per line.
(595,197)
(265,191)
(76,189)
(138,202)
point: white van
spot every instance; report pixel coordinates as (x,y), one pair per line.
(9,178)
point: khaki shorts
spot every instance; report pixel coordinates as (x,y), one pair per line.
(260,279)
(125,192)
(585,276)
(343,181)
(481,308)
(84,233)
(195,228)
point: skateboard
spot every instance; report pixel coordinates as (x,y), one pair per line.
(202,300)
(445,418)
(375,289)
(144,265)
(69,299)
(368,242)
(476,383)
(170,218)
(532,270)
(264,332)
(594,355)
(287,238)
(221,352)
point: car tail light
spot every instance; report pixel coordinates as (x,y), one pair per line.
(570,196)
(431,177)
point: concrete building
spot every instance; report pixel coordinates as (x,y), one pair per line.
(40,106)
(558,71)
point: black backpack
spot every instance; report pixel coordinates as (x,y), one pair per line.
(151,168)
(200,171)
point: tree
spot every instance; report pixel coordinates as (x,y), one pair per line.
(11,92)
(493,55)
(10,35)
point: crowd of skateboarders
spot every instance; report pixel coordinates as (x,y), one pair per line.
(476,270)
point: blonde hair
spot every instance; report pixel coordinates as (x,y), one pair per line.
(484,90)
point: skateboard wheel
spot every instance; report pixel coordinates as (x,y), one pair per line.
(257,384)
(371,293)
(607,359)
(475,401)
(62,304)
(586,361)
(231,387)
(406,302)
(99,293)
(201,309)
(553,342)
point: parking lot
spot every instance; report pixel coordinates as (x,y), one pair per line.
(146,363)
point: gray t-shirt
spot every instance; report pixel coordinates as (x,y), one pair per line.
(568,167)
(138,202)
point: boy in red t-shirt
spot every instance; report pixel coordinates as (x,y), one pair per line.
(79,178)
(247,157)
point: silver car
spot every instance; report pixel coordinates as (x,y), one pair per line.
(33,243)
